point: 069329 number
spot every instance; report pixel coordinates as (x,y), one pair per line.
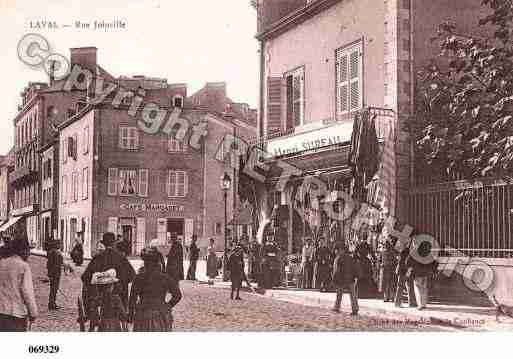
(43,349)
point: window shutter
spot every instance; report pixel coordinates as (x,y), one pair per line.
(135,136)
(64,149)
(355,78)
(122,135)
(162,230)
(188,230)
(274,104)
(168,184)
(113,182)
(113,225)
(343,83)
(141,235)
(186,183)
(143,183)
(86,139)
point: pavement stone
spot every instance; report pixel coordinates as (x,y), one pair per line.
(208,308)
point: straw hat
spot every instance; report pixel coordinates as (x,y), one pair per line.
(104,278)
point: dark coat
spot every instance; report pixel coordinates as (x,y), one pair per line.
(345,270)
(77,254)
(175,261)
(54,263)
(194,252)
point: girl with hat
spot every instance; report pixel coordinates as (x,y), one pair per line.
(149,310)
(109,313)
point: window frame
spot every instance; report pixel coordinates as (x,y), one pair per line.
(85,183)
(346,51)
(143,180)
(64,189)
(85,144)
(176,192)
(128,172)
(132,134)
(294,73)
(112,181)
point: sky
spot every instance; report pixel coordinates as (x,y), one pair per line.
(192,42)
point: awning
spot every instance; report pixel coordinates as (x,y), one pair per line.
(9,223)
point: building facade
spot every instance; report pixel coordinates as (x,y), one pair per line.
(117,178)
(325,61)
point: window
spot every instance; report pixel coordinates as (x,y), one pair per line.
(85,140)
(85,183)
(64,150)
(175,146)
(295,82)
(74,186)
(218,228)
(143,183)
(113,182)
(178,101)
(348,71)
(127,182)
(177,184)
(64,189)
(128,138)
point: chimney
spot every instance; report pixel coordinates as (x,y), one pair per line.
(85,57)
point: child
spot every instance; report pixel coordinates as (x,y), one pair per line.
(109,313)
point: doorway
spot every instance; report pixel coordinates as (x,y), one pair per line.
(128,233)
(176,226)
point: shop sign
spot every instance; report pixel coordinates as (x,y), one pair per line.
(152,207)
(311,140)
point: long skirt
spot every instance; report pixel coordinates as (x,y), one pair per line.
(212,266)
(153,320)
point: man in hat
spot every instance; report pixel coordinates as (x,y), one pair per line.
(345,276)
(175,259)
(110,258)
(193,258)
(54,262)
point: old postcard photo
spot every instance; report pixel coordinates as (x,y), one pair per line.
(256,166)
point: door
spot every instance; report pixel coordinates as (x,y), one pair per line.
(127,234)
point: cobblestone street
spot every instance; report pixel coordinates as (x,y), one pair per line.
(209,309)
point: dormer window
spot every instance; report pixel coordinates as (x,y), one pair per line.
(178,101)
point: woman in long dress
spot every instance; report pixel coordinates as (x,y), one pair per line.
(149,310)
(212,271)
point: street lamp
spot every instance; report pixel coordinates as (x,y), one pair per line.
(226,182)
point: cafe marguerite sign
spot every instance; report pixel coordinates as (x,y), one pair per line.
(154,207)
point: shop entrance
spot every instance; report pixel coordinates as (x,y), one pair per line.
(176,226)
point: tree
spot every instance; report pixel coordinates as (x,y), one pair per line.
(464,103)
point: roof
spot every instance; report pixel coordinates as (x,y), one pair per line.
(295,18)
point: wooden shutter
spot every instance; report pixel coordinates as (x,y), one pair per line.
(185,184)
(143,182)
(141,235)
(113,182)
(354,70)
(162,230)
(274,104)
(112,225)
(342,82)
(123,135)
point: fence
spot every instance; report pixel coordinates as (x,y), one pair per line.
(475,219)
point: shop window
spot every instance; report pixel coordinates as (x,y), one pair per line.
(128,138)
(177,184)
(348,72)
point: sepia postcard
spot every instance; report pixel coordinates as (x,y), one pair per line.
(256,166)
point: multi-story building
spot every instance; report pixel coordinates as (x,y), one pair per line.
(323,62)
(115,177)
(140,186)
(4,189)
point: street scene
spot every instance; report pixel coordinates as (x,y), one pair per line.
(352,171)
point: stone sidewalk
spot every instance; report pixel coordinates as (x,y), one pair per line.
(454,316)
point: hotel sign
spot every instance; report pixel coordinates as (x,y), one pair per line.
(152,207)
(327,135)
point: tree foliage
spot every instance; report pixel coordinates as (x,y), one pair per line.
(464,101)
